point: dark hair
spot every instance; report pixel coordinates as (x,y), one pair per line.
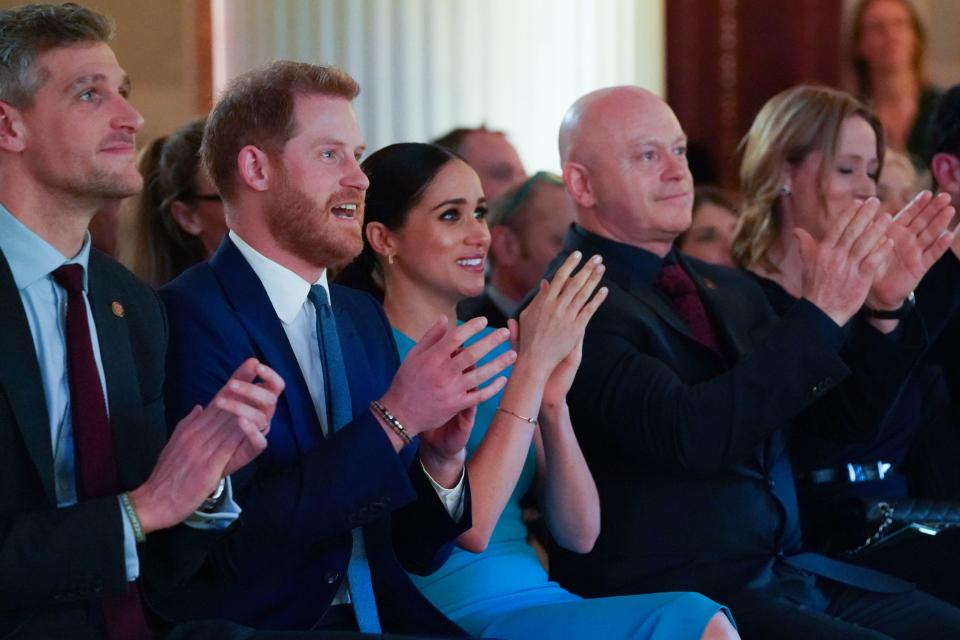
(27,32)
(257,108)
(159,249)
(399,175)
(945,124)
(861,68)
(455,139)
(509,208)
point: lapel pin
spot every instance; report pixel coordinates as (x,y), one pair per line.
(117,309)
(709,283)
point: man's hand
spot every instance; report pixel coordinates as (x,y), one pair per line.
(206,445)
(443,450)
(839,270)
(259,386)
(438,379)
(920,238)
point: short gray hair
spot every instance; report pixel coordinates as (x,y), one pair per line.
(27,32)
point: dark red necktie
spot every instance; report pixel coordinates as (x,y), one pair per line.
(94,454)
(679,287)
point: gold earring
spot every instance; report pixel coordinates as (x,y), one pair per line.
(390,259)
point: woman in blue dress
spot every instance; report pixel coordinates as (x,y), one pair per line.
(425,245)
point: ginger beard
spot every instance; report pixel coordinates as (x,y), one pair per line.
(311,231)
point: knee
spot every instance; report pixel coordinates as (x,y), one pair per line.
(719,628)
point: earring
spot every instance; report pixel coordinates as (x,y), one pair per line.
(390,259)
(785,190)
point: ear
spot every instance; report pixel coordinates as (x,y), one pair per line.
(577,180)
(945,168)
(253,168)
(12,129)
(504,246)
(381,239)
(186,217)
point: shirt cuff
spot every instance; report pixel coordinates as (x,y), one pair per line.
(452,499)
(227,511)
(130,557)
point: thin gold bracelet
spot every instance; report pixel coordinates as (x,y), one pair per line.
(532,421)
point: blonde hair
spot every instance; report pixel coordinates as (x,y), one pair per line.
(790,126)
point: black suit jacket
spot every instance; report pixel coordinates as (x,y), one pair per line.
(56,563)
(688,447)
(481,305)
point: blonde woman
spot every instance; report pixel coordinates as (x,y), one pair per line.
(811,157)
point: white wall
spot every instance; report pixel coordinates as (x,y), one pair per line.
(426,66)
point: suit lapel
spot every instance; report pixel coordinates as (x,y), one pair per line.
(109,308)
(250,301)
(20,380)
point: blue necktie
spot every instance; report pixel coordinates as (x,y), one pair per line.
(339,413)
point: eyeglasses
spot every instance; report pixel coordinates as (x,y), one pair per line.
(503,211)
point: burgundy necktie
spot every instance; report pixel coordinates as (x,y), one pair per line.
(679,287)
(94,454)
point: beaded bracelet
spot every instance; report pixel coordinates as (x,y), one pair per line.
(391,420)
(127,505)
(532,421)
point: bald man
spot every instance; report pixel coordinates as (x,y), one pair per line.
(689,383)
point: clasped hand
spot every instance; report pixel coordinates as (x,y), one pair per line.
(209,444)
(920,237)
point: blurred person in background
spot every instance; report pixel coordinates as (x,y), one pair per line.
(527,224)
(889,61)
(178,220)
(898,182)
(711,231)
(490,154)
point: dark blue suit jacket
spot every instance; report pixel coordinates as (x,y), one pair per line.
(688,447)
(282,564)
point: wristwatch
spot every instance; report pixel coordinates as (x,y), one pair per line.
(212,502)
(892,314)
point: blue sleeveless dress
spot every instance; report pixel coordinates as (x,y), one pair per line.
(504,591)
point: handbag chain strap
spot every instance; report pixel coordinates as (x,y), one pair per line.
(886,521)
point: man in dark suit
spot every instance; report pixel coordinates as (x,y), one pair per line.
(690,382)
(342,503)
(87,475)
(527,224)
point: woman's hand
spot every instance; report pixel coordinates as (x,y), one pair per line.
(551,328)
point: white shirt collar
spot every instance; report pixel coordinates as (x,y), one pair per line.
(31,257)
(287,291)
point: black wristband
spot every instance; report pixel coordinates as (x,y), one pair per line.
(891,314)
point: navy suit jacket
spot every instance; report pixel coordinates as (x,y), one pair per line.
(284,562)
(688,447)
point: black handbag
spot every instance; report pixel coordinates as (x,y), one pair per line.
(888,520)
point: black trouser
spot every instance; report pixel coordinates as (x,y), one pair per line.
(850,613)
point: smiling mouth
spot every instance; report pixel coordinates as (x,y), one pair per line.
(470,263)
(345,211)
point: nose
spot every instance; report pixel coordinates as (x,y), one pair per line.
(479,234)
(127,117)
(675,167)
(865,187)
(354,176)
